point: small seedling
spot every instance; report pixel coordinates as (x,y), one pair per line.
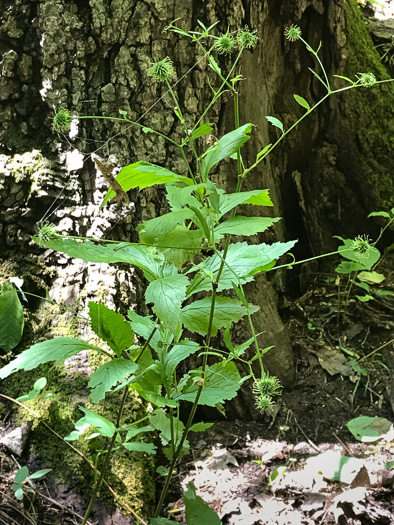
(22,477)
(39,385)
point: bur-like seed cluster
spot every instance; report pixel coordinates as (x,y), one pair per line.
(162,71)
(264,390)
(46,233)
(225,43)
(366,79)
(62,120)
(362,246)
(293,33)
(246,39)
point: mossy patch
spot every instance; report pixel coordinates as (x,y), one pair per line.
(370,114)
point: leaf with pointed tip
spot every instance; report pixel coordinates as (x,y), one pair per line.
(263,151)
(302,102)
(108,375)
(226,146)
(231,200)
(143,175)
(167,295)
(275,122)
(222,381)
(195,316)
(111,327)
(202,130)
(103,425)
(144,257)
(245,260)
(244,225)
(11,317)
(149,231)
(58,349)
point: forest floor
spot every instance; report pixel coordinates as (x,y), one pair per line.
(301,465)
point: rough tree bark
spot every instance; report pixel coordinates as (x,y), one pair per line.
(92,56)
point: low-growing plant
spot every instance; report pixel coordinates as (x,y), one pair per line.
(22,477)
(195,275)
(361,257)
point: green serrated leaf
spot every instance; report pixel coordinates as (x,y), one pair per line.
(245,261)
(149,231)
(176,355)
(222,381)
(275,122)
(197,511)
(302,102)
(154,398)
(58,349)
(256,197)
(167,295)
(11,317)
(108,375)
(143,175)
(111,327)
(244,226)
(226,146)
(180,245)
(346,267)
(202,130)
(195,316)
(144,257)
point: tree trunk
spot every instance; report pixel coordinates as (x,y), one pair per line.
(92,57)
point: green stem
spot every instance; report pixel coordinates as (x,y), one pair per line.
(118,119)
(112,442)
(107,460)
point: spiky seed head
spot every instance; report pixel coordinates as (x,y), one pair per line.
(293,33)
(62,120)
(162,71)
(246,38)
(225,43)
